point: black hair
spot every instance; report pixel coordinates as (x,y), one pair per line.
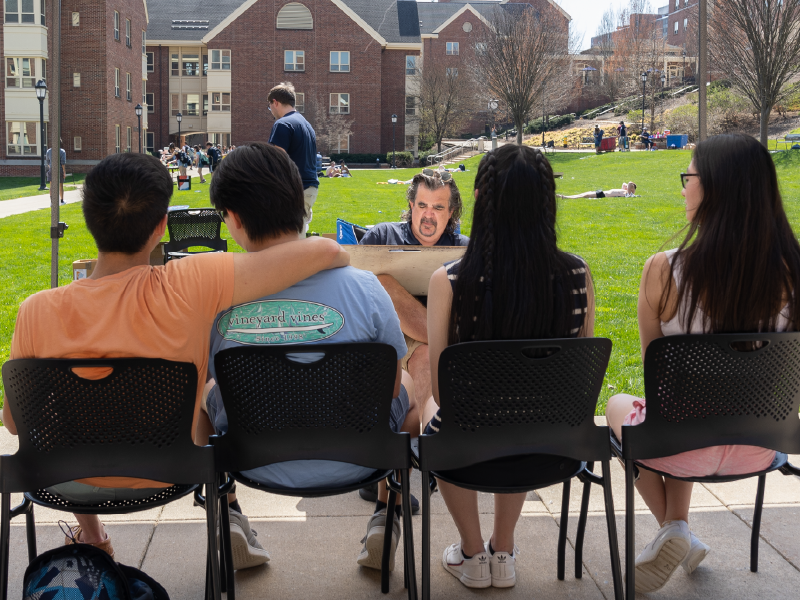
(124,198)
(262,185)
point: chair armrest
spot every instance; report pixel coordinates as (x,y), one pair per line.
(616,445)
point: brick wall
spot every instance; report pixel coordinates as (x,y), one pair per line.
(677,15)
(158,85)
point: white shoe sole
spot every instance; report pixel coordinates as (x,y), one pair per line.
(694,559)
(372,555)
(504,582)
(652,576)
(464,579)
(244,555)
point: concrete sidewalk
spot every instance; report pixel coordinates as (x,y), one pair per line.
(17,206)
(314,544)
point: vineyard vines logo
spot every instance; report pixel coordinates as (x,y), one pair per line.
(280,322)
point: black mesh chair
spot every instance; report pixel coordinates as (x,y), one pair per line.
(134,422)
(715,390)
(521,398)
(335,408)
(193,227)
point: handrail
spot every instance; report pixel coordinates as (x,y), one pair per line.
(472,144)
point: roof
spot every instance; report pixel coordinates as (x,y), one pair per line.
(164,12)
(432,15)
(397,21)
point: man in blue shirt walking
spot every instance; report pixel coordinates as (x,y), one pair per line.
(295,135)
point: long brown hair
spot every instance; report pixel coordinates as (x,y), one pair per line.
(740,260)
(511,281)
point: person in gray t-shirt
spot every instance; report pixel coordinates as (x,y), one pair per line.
(62,154)
(260,194)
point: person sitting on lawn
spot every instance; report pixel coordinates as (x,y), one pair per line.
(737,270)
(645,139)
(260,193)
(332,170)
(513,282)
(627,190)
(343,170)
(128,308)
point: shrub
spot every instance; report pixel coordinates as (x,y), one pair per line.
(556,121)
(357,158)
(402,159)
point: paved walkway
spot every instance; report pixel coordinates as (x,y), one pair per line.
(314,544)
(17,206)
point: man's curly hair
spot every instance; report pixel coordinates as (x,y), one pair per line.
(433,183)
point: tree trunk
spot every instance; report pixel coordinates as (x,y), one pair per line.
(439,145)
(519,124)
(765,125)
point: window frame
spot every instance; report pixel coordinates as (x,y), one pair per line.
(20,79)
(339,66)
(220,63)
(26,149)
(300,102)
(188,112)
(128,140)
(144,41)
(452,48)
(117,135)
(77,143)
(175,64)
(151,62)
(128,86)
(116,26)
(128,33)
(675,30)
(193,59)
(116,82)
(76,80)
(295,55)
(151,103)
(220,104)
(414,70)
(339,149)
(411,112)
(150,141)
(338,109)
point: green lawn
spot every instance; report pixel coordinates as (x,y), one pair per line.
(614,235)
(20,187)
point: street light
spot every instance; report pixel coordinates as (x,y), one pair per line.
(644,84)
(394,144)
(683,79)
(179,116)
(493,104)
(41,92)
(138,110)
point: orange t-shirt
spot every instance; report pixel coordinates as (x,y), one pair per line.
(143,312)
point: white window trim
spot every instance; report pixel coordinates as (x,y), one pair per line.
(339,65)
(151,66)
(294,64)
(128,94)
(116,83)
(117,135)
(116,26)
(338,109)
(452,48)
(77,143)
(220,64)
(300,102)
(128,33)
(220,106)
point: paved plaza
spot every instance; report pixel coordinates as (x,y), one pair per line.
(314,544)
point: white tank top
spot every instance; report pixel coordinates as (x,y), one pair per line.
(675,326)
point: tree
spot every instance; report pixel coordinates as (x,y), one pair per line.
(756,45)
(331,129)
(519,54)
(446,100)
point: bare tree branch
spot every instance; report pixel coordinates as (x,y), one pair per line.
(446,100)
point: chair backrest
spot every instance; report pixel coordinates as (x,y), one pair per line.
(335,408)
(134,422)
(514,397)
(702,391)
(194,227)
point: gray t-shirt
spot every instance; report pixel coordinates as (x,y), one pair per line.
(338,306)
(49,157)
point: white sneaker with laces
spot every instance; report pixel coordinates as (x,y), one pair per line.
(372,553)
(472,572)
(697,553)
(246,550)
(659,559)
(503,567)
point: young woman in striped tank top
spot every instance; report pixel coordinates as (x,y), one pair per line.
(736,271)
(512,283)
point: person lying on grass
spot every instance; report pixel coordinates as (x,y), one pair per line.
(628,190)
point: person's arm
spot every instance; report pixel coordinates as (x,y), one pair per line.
(281,135)
(412,314)
(654,279)
(440,299)
(269,271)
(587,329)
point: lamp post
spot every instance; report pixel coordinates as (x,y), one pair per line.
(493,104)
(41,92)
(138,110)
(179,116)
(683,79)
(644,90)
(394,144)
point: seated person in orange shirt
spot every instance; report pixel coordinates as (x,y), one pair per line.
(128,308)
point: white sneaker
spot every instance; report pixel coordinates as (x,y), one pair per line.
(697,552)
(372,552)
(472,572)
(246,550)
(503,567)
(659,559)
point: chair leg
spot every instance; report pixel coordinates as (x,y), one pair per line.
(226,554)
(611,523)
(5,534)
(562,531)
(387,541)
(630,534)
(587,490)
(408,537)
(212,504)
(30,530)
(754,536)
(426,535)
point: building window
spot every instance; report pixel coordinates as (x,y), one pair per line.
(411,144)
(116,139)
(411,65)
(144,42)
(294,16)
(205,104)
(20,11)
(411,106)
(128,140)
(76,19)
(128,33)
(220,60)
(116,82)
(294,60)
(685,24)
(144,92)
(676,4)
(191,65)
(205,65)
(150,102)
(116,25)
(76,80)
(192,104)
(151,141)
(300,102)
(220,139)
(340,104)
(22,138)
(676,28)
(175,104)
(480,48)
(175,60)
(151,62)
(20,72)
(220,101)
(128,86)
(340,62)
(452,48)
(42,12)
(452,72)
(342,145)
(77,143)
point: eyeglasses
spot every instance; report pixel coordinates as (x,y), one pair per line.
(685,178)
(445,175)
(222,213)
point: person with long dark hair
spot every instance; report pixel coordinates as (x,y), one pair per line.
(513,282)
(737,270)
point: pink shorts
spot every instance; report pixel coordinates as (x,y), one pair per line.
(716,460)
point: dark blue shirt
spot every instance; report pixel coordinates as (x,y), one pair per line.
(400,234)
(295,135)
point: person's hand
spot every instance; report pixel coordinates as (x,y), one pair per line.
(341,260)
